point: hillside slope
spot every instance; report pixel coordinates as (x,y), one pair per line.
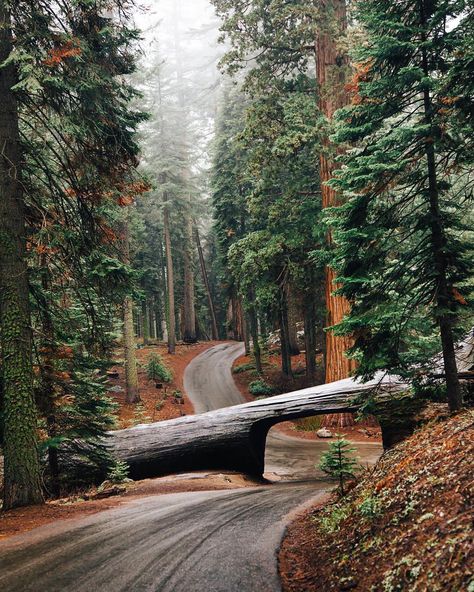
(406,526)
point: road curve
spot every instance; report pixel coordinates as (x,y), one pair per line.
(185,542)
(217,541)
(209,384)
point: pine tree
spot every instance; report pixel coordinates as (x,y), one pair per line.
(401,262)
(338,461)
(22,471)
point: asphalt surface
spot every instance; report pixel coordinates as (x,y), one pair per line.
(217,541)
(209,384)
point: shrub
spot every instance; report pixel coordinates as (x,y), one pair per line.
(370,508)
(338,461)
(157,370)
(243,368)
(118,472)
(260,387)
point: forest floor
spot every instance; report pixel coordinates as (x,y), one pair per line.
(406,525)
(157,404)
(244,374)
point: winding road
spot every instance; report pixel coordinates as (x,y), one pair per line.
(216,541)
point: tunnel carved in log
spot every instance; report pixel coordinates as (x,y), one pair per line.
(233,438)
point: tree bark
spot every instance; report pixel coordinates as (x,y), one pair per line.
(310,336)
(205,279)
(46,400)
(170,283)
(145,318)
(189,311)
(293,317)
(131,374)
(331,67)
(253,321)
(284,335)
(444,296)
(233,438)
(22,483)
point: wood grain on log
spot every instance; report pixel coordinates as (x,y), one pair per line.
(233,438)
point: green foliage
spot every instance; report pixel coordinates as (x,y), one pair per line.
(119,472)
(370,507)
(403,248)
(157,370)
(338,461)
(330,521)
(261,388)
(140,415)
(241,368)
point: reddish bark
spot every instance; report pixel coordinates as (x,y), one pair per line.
(331,72)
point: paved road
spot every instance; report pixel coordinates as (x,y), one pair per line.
(186,542)
(220,541)
(209,384)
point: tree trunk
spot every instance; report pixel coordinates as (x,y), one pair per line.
(254,333)
(233,438)
(131,374)
(444,296)
(205,278)
(284,336)
(246,334)
(331,73)
(22,483)
(293,317)
(170,283)
(310,336)
(189,312)
(46,400)
(145,320)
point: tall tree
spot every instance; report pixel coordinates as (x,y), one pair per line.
(22,483)
(332,75)
(132,394)
(401,262)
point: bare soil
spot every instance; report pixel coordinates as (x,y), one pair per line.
(407,525)
(157,404)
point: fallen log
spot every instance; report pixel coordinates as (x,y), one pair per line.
(233,438)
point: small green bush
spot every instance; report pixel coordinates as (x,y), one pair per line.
(370,508)
(243,368)
(157,370)
(260,388)
(118,472)
(330,521)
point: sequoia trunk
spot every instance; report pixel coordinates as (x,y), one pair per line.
(331,67)
(170,283)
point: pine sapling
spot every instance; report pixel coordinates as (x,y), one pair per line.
(338,461)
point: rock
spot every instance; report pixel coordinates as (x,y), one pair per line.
(324,433)
(116,389)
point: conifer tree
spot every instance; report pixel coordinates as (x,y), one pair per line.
(401,262)
(338,462)
(22,472)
